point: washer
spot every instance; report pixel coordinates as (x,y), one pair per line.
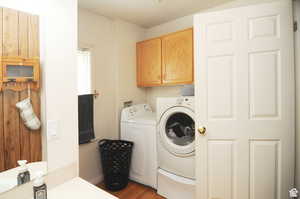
(176,147)
(138,124)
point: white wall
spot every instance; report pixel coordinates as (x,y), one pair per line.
(59,29)
(97,33)
(126,37)
(58,36)
(114,64)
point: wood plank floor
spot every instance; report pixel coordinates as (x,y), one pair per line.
(134,191)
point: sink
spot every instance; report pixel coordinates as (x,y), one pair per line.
(8,179)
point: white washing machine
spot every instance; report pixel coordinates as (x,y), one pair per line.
(176,147)
(138,124)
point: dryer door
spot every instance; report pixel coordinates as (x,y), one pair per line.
(177,131)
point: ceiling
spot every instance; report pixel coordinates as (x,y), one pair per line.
(148,13)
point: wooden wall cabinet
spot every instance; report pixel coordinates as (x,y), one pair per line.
(21,71)
(149,63)
(177,58)
(167,60)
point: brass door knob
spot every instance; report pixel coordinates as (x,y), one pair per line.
(202,130)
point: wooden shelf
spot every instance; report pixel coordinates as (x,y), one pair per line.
(19,83)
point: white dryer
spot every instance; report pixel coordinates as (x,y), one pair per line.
(138,124)
(176,147)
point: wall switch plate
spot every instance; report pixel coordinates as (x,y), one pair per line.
(52,130)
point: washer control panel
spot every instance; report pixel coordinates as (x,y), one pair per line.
(135,110)
(185,101)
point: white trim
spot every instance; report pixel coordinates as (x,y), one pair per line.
(296,7)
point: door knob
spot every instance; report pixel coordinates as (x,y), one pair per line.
(202,130)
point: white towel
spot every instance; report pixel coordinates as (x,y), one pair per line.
(27,114)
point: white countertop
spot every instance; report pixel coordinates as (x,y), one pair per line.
(8,179)
(78,188)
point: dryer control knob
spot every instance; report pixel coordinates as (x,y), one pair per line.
(179,101)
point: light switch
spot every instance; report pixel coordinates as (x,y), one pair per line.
(52,130)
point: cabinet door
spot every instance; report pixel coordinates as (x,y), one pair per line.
(149,63)
(177,65)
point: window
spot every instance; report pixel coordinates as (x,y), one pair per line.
(84,84)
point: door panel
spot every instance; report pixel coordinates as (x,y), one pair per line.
(264,27)
(178,66)
(220,153)
(221,70)
(264,93)
(245,98)
(264,159)
(149,63)
(221,32)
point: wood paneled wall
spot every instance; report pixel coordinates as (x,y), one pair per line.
(19,36)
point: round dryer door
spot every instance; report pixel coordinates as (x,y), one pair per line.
(177,131)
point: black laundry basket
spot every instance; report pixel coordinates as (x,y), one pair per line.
(116,160)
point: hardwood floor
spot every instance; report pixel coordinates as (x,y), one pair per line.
(134,191)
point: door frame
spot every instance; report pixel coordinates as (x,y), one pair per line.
(296,9)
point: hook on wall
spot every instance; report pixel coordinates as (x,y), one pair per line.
(96,94)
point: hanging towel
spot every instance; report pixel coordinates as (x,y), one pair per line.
(86,118)
(30,119)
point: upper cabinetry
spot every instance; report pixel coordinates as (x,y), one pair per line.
(177,58)
(149,63)
(167,60)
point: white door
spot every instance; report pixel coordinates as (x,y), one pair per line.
(245,99)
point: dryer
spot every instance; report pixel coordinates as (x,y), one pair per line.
(138,124)
(176,147)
